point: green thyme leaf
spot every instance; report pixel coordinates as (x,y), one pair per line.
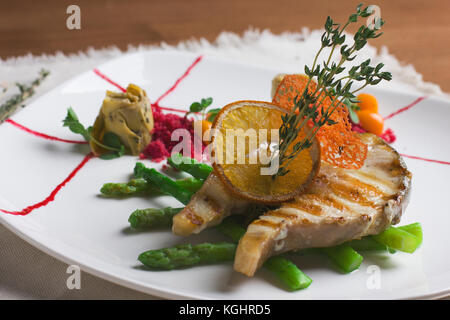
(121,151)
(109,156)
(112,140)
(206,102)
(195,107)
(71,121)
(212,113)
(353,115)
(115,154)
(201,106)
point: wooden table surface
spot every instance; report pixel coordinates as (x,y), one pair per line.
(417,32)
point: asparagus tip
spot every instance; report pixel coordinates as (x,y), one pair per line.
(138,168)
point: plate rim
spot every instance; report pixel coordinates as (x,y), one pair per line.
(155,290)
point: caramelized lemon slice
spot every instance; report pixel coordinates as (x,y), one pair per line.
(247,132)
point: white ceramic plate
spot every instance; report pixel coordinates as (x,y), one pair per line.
(81,228)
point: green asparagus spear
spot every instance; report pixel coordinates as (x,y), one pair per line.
(153,218)
(284,269)
(164,183)
(193,167)
(190,184)
(288,272)
(399,239)
(231,229)
(415,229)
(188,255)
(370,243)
(344,256)
(367,244)
(139,187)
(132,188)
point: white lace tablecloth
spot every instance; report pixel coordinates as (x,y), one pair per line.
(26,272)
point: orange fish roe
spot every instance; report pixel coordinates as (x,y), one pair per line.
(339,145)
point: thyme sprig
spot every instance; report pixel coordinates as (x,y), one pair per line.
(199,107)
(25,92)
(332,82)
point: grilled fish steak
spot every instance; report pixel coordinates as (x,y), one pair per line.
(207,208)
(340,205)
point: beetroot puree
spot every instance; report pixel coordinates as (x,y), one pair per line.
(161,145)
(388,135)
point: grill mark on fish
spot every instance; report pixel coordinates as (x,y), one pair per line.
(193,218)
(307,206)
(322,203)
(331,202)
(354,208)
(384,185)
(266,223)
(284,215)
(339,220)
(327,200)
(356,191)
(215,207)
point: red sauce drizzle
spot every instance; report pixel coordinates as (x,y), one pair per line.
(409,106)
(42,135)
(52,195)
(169,109)
(107,79)
(175,85)
(425,159)
(165,94)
